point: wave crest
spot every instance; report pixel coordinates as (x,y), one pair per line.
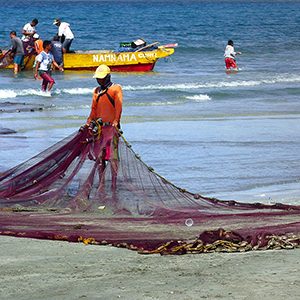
(283,78)
(199,98)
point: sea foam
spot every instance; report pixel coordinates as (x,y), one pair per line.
(5,94)
(199,98)
(283,78)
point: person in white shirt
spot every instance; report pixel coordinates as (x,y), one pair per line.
(43,66)
(29,30)
(65,34)
(230,55)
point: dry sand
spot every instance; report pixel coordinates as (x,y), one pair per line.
(38,269)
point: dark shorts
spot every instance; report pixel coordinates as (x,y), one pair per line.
(19,59)
(67,44)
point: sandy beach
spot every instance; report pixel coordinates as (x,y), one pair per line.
(40,269)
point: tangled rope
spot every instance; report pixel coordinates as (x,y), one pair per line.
(269,242)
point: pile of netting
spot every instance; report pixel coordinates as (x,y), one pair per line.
(5,59)
(93,188)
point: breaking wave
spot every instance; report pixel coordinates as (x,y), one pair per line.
(76,91)
(199,98)
(8,93)
(221,84)
(284,78)
(175,101)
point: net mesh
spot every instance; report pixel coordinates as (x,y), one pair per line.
(5,59)
(92,187)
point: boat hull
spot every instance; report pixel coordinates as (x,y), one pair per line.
(119,68)
(118,61)
(139,61)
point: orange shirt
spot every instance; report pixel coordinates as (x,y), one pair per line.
(104,109)
(38,46)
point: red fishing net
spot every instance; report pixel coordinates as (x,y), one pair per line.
(92,187)
(5,60)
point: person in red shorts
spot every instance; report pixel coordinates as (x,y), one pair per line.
(43,67)
(230,55)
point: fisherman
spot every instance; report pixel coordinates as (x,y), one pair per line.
(65,34)
(29,30)
(43,67)
(27,38)
(17,51)
(38,44)
(230,55)
(57,50)
(107,109)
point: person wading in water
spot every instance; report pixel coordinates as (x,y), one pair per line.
(43,67)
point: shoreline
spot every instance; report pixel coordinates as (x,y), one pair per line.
(42,269)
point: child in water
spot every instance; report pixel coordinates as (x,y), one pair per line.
(230,54)
(43,67)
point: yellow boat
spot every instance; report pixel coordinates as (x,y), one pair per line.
(141,60)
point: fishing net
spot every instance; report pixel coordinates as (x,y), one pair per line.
(92,187)
(5,59)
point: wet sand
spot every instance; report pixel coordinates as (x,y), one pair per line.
(39,269)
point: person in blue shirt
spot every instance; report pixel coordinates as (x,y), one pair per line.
(57,50)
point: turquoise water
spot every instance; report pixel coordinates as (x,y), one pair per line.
(229,136)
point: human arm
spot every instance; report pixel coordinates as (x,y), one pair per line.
(56,65)
(235,52)
(37,69)
(38,60)
(36,47)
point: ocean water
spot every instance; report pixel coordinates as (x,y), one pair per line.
(231,136)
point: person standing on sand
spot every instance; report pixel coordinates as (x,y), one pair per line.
(65,34)
(107,109)
(230,55)
(17,50)
(43,68)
